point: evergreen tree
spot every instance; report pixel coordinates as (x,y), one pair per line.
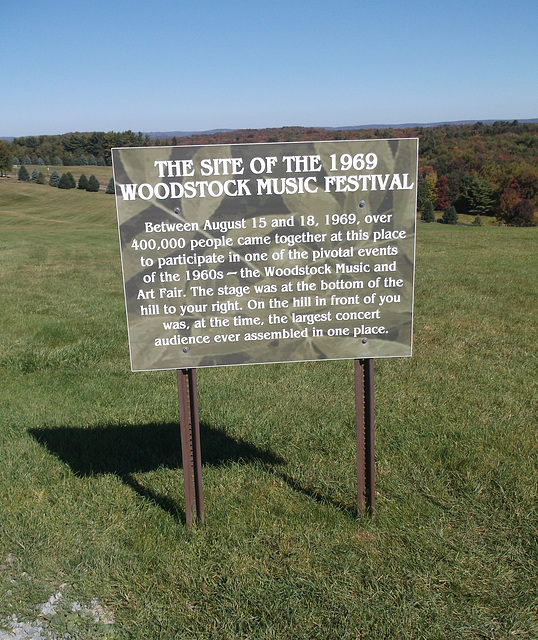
(15,161)
(54,179)
(27,160)
(23,174)
(66,181)
(83,182)
(41,178)
(72,181)
(33,177)
(101,162)
(422,194)
(450,216)
(58,161)
(477,222)
(110,186)
(5,158)
(93,184)
(70,160)
(82,160)
(428,214)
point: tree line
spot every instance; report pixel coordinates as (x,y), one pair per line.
(478,169)
(74,149)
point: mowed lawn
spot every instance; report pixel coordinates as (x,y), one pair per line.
(91,490)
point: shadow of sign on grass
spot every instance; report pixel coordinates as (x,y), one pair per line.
(125,450)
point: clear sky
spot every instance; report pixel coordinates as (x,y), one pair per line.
(167,65)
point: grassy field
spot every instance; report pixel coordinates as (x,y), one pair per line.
(91,487)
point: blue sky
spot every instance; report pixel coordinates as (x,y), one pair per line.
(193,66)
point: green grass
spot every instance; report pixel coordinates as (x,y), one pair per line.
(91,487)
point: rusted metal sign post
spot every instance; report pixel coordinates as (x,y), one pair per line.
(364,407)
(191,453)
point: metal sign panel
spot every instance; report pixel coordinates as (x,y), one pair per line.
(257,253)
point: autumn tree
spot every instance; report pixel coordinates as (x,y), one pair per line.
(443,201)
(508,200)
(520,215)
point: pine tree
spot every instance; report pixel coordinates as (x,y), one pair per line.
(5,158)
(33,177)
(54,179)
(83,182)
(41,178)
(93,184)
(110,186)
(65,182)
(428,214)
(23,174)
(450,215)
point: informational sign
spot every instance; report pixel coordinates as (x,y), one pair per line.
(257,253)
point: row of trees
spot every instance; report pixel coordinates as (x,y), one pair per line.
(74,149)
(68,160)
(65,181)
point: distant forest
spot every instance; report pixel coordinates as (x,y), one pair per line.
(480,169)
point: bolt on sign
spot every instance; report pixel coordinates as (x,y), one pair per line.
(258,253)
